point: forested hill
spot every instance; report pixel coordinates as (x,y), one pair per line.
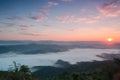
(65,67)
(96,70)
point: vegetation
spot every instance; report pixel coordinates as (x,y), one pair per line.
(17,72)
(110,71)
(107,72)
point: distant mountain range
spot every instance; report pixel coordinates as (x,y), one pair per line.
(35,47)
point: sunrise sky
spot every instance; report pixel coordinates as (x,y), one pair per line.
(63,20)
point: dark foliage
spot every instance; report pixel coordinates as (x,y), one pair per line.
(98,70)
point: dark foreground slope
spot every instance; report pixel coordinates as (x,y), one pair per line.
(68,69)
(97,70)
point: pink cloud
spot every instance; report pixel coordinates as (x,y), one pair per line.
(91,21)
(42,14)
(67,0)
(37,18)
(80,19)
(111,9)
(65,19)
(97,17)
(52,3)
(44,11)
(72,19)
(26,26)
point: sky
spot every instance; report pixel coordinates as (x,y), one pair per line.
(60,20)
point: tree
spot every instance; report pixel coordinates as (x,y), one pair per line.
(20,72)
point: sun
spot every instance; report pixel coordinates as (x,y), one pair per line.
(109,39)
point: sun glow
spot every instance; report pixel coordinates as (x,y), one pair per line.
(109,39)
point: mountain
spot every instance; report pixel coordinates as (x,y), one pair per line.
(35,47)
